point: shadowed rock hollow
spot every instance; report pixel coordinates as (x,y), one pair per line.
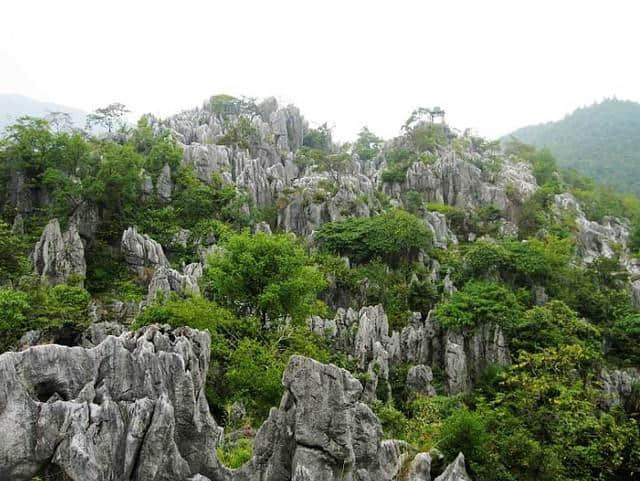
(133,407)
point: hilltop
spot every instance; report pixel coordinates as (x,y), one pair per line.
(601,140)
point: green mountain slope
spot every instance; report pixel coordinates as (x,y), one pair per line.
(601,140)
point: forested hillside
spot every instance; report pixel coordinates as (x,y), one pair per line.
(601,141)
(484,301)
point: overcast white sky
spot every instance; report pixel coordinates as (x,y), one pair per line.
(492,65)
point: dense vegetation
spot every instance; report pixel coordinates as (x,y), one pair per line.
(601,140)
(541,418)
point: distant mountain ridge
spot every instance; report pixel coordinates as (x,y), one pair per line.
(13,106)
(601,140)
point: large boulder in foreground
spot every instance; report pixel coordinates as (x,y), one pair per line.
(133,407)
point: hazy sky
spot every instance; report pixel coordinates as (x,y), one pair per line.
(492,65)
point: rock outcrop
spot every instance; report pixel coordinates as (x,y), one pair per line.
(166,280)
(617,385)
(462,356)
(58,255)
(141,253)
(132,406)
(456,471)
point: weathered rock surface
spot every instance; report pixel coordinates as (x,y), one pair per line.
(58,255)
(456,471)
(322,431)
(132,406)
(462,356)
(442,235)
(618,385)
(166,279)
(595,239)
(419,379)
(141,253)
(164,186)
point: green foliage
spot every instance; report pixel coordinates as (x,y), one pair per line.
(477,303)
(600,140)
(254,375)
(464,431)
(521,264)
(40,307)
(624,339)
(552,325)
(393,236)
(110,117)
(393,422)
(14,312)
(319,138)
(335,163)
(269,275)
(67,304)
(195,201)
(241,134)
(367,145)
(233,455)
(13,261)
(226,106)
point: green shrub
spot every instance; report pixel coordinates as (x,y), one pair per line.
(234,454)
(464,431)
(254,377)
(479,302)
(269,275)
(393,236)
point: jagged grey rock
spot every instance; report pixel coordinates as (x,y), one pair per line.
(142,253)
(166,279)
(57,256)
(321,431)
(420,378)
(133,407)
(365,337)
(442,235)
(262,227)
(618,385)
(86,219)
(164,187)
(456,471)
(420,468)
(96,333)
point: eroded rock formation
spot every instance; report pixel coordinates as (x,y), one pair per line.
(132,406)
(58,255)
(462,356)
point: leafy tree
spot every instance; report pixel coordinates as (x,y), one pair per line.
(552,325)
(116,184)
(319,138)
(464,431)
(15,310)
(392,236)
(269,275)
(367,145)
(13,261)
(479,302)
(195,200)
(110,117)
(335,163)
(254,376)
(240,134)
